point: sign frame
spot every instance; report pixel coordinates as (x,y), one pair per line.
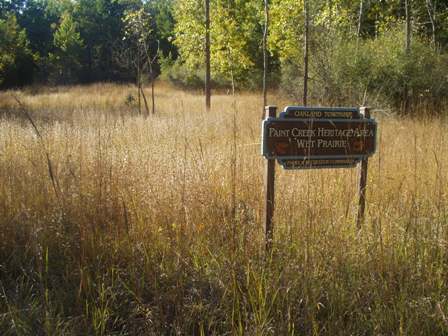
(335,112)
(361,114)
(267,155)
(306,166)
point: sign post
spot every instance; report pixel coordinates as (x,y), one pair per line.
(269,186)
(362,180)
(316,137)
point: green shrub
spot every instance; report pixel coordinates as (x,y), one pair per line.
(373,71)
(17,61)
(179,74)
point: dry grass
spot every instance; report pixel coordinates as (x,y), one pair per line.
(149,226)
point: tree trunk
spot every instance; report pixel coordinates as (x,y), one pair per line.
(265,54)
(207,56)
(407,51)
(145,101)
(432,18)
(305,52)
(153,103)
(139,87)
(361,10)
(407,4)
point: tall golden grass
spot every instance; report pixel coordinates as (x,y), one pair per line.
(116,223)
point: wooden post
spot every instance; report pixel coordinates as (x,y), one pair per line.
(363,180)
(207,57)
(269,186)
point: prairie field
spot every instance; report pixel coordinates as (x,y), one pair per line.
(115,223)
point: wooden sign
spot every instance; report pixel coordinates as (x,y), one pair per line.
(316,137)
(303,112)
(318,163)
(310,139)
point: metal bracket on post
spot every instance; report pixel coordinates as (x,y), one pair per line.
(365,111)
(269,186)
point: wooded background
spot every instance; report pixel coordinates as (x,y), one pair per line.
(360,51)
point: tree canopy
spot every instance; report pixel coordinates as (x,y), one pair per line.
(356,46)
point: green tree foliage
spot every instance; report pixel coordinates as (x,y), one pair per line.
(139,49)
(236,30)
(137,27)
(11,6)
(286,30)
(38,19)
(382,66)
(286,40)
(350,69)
(190,32)
(97,28)
(68,49)
(67,37)
(16,58)
(163,24)
(355,51)
(101,28)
